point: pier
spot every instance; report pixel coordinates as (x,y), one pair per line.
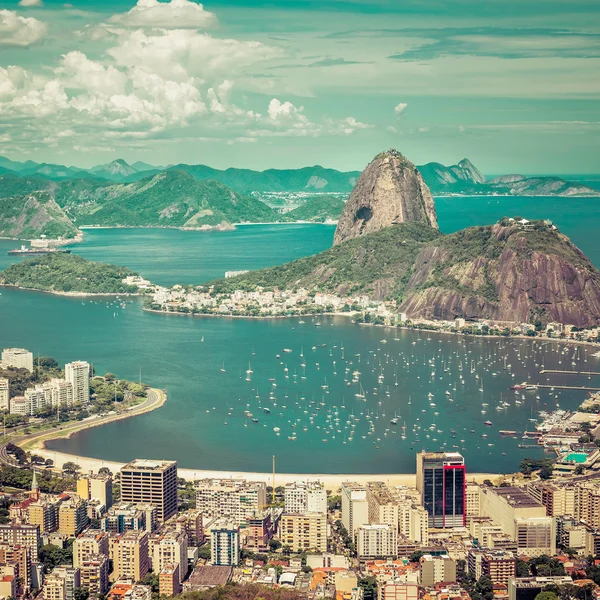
(566,387)
(565,372)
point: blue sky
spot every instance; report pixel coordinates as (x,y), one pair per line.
(512,85)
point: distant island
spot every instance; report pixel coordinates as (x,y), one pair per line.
(70,274)
(55,200)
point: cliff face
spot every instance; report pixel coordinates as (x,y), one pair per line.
(504,273)
(389,191)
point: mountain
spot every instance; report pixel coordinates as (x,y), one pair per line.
(436,174)
(519,185)
(168,199)
(514,271)
(317,210)
(115,170)
(139,165)
(388,192)
(33,214)
(13,165)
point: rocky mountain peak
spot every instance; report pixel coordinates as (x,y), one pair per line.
(472,173)
(389,191)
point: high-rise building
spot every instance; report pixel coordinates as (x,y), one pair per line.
(59,393)
(130,556)
(62,583)
(21,534)
(527,588)
(225,544)
(78,375)
(36,399)
(96,487)
(441,481)
(72,516)
(19,406)
(303,532)
(169,548)
(4,394)
(383,507)
(151,481)
(90,543)
(124,517)
(17,358)
(190,522)
(437,569)
(169,581)
(94,574)
(498,565)
(234,499)
(304,497)
(377,541)
(355,507)
(45,514)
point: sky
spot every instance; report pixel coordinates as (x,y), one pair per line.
(513,85)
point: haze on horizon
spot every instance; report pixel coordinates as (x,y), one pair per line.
(512,85)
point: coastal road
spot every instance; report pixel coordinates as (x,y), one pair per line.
(154,399)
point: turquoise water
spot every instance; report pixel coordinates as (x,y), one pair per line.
(204,423)
(577,457)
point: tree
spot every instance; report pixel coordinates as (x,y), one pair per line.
(104,471)
(416,556)
(71,468)
(484,589)
(152,580)
(204,552)
(52,556)
(545,472)
(546,596)
(81,593)
(369,586)
(274,545)
(522,568)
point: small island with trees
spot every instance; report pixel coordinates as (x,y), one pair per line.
(63,273)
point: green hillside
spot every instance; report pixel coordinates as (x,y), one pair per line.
(317,210)
(68,273)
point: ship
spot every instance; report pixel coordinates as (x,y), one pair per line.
(519,386)
(24,250)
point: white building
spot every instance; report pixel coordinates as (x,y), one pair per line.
(19,406)
(4,394)
(225,544)
(17,358)
(355,507)
(170,548)
(36,398)
(60,393)
(377,541)
(305,497)
(78,375)
(235,499)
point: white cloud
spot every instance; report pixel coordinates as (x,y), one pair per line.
(28,3)
(400,108)
(19,31)
(179,54)
(176,14)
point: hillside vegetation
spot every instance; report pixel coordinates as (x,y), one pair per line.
(68,273)
(317,210)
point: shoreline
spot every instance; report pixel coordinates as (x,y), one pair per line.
(70,294)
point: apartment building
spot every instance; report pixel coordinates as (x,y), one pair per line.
(169,581)
(72,516)
(17,358)
(413,521)
(96,487)
(498,565)
(4,394)
(129,553)
(90,543)
(303,532)
(191,523)
(472,502)
(45,514)
(355,507)
(225,544)
(153,482)
(21,534)
(382,507)
(125,516)
(94,571)
(77,373)
(377,541)
(169,547)
(234,499)
(305,496)
(436,569)
(59,393)
(61,584)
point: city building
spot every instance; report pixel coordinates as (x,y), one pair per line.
(304,497)
(130,591)
(125,516)
(78,375)
(4,394)
(191,523)
(377,541)
(45,514)
(129,553)
(94,571)
(527,588)
(89,543)
(383,508)
(437,569)
(234,499)
(522,518)
(59,393)
(169,581)
(225,544)
(36,399)
(303,532)
(399,591)
(17,358)
(96,487)
(472,506)
(441,481)
(62,583)
(498,565)
(72,516)
(153,482)
(260,530)
(355,507)
(169,548)
(22,534)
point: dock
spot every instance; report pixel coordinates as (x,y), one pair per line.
(565,372)
(567,387)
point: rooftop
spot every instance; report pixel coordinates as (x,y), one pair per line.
(210,576)
(516,497)
(149,465)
